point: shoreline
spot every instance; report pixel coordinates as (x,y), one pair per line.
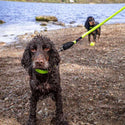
(30,35)
(92,76)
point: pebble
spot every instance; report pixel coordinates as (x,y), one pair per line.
(45,29)
(2,43)
(59,23)
(40,112)
(26,113)
(36,32)
(44,24)
(20,106)
(72,22)
(6,99)
(79,25)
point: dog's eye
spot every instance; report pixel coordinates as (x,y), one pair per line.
(46,49)
(33,50)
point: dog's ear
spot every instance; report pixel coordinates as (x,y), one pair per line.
(87,24)
(54,56)
(26,59)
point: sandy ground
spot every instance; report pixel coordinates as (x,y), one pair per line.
(92,79)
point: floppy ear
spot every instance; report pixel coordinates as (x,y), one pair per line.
(54,58)
(87,24)
(26,59)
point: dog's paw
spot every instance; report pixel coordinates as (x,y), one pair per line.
(31,122)
(63,123)
(54,121)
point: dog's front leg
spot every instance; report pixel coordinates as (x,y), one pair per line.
(59,119)
(94,36)
(59,105)
(99,33)
(89,39)
(32,115)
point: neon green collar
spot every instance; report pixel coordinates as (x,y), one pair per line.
(41,71)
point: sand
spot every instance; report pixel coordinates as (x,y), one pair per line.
(92,79)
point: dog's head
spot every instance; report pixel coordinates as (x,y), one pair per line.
(40,53)
(89,22)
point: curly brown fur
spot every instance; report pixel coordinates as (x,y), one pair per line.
(40,53)
(89,24)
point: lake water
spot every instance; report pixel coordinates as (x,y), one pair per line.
(20,16)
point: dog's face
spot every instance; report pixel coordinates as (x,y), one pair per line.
(91,21)
(40,54)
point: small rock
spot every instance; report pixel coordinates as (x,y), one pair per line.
(86,124)
(45,29)
(95,123)
(50,22)
(5,35)
(91,109)
(33,35)
(46,18)
(6,99)
(59,23)
(26,34)
(72,22)
(26,113)
(2,43)
(90,99)
(44,103)
(40,112)
(11,34)
(43,24)
(19,115)
(1,21)
(36,32)
(46,112)
(20,106)
(79,25)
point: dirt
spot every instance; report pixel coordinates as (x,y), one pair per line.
(92,79)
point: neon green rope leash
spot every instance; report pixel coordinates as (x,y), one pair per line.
(87,33)
(70,44)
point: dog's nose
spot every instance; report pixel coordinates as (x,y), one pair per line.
(39,62)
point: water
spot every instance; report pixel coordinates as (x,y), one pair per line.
(20,16)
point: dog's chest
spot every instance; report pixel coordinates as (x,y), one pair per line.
(43,87)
